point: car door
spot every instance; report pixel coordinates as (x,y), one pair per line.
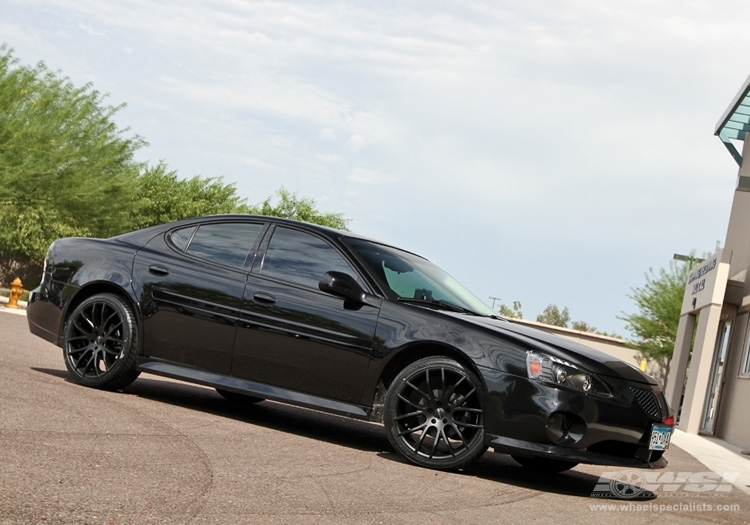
(191,282)
(295,336)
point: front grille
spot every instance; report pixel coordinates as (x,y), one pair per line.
(648,402)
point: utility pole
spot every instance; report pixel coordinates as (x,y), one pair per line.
(493,301)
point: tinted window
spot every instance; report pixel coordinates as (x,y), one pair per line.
(301,258)
(407,276)
(180,238)
(226,243)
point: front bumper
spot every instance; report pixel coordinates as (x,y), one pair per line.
(533,418)
(516,447)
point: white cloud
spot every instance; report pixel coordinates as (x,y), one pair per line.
(90,30)
(534,135)
(369,177)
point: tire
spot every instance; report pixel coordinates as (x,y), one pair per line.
(240,399)
(100,343)
(434,414)
(545,465)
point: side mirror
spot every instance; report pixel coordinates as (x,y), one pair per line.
(342,285)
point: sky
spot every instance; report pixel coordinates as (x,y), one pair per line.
(547,152)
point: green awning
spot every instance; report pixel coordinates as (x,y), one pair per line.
(735,122)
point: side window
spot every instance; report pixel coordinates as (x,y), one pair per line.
(180,238)
(225,243)
(301,258)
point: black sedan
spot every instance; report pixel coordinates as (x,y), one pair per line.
(266,308)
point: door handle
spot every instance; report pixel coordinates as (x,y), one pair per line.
(157,269)
(264,298)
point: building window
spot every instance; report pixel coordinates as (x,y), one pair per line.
(745,364)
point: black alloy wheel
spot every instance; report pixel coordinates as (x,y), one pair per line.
(101,341)
(434,414)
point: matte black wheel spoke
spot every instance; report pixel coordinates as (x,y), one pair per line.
(113,330)
(415,429)
(468,425)
(427,382)
(411,403)
(113,352)
(420,392)
(421,441)
(85,329)
(452,389)
(88,364)
(448,443)
(468,409)
(79,359)
(459,434)
(410,414)
(460,401)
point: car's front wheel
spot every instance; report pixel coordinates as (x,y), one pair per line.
(100,343)
(434,414)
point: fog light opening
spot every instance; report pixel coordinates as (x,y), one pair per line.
(565,429)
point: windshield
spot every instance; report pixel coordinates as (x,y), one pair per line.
(408,277)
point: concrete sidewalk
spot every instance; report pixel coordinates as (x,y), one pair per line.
(17,311)
(718,455)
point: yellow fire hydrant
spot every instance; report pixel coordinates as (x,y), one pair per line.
(16,291)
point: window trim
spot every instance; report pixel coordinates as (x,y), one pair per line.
(743,371)
(249,257)
(262,252)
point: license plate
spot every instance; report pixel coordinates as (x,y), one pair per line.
(660,435)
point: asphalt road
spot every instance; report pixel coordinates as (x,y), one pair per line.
(168,452)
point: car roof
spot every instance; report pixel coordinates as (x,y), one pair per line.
(144,235)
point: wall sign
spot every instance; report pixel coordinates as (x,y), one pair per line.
(706,284)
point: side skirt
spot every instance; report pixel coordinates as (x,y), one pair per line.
(243,386)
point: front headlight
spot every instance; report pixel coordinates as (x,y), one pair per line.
(551,369)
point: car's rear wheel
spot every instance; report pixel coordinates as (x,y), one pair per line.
(100,343)
(545,465)
(434,414)
(238,398)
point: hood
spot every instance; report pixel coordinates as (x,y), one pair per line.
(593,360)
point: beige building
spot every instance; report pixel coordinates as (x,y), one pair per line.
(613,346)
(712,383)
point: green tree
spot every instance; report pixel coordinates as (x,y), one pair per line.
(163,197)
(65,167)
(583,326)
(26,234)
(513,312)
(553,316)
(290,206)
(658,302)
